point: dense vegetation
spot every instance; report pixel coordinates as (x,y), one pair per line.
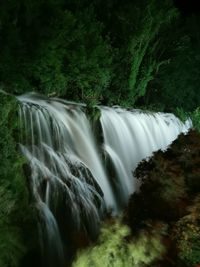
(133,53)
(114,249)
(120,52)
(16,219)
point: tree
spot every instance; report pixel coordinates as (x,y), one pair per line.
(145,43)
(47,48)
(176,84)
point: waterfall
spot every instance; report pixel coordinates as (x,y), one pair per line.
(69,180)
(130,136)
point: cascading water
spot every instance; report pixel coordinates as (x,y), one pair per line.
(66,167)
(69,181)
(130,136)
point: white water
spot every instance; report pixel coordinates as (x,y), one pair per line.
(66,165)
(130,136)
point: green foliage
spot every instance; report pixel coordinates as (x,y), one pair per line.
(15,214)
(11,247)
(181,114)
(112,52)
(195,117)
(144,45)
(47,48)
(176,84)
(135,28)
(116,249)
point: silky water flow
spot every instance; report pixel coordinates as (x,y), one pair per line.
(68,166)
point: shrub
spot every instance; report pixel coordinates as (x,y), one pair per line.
(186,234)
(115,248)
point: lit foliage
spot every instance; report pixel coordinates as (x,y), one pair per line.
(144,45)
(116,249)
(14,210)
(47,48)
(177,83)
(195,117)
(113,52)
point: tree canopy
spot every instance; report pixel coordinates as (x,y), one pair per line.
(115,52)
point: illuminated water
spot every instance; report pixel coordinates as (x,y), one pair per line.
(69,179)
